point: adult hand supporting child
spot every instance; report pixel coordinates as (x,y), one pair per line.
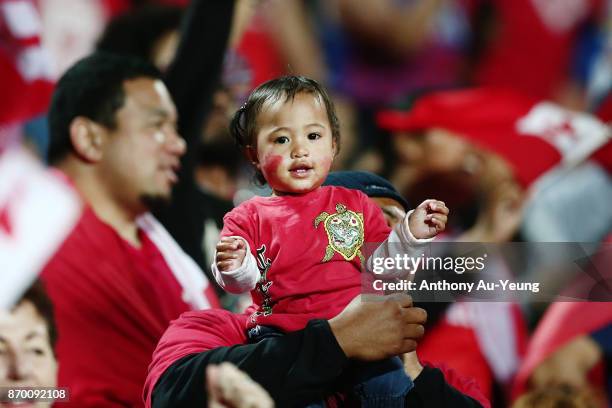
(379,327)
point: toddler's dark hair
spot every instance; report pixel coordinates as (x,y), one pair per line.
(243,126)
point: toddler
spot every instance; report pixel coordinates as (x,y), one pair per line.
(299,251)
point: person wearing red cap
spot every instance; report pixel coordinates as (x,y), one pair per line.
(473,353)
(508,144)
(533,137)
(504,142)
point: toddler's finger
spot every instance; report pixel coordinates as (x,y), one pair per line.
(226,265)
(440,208)
(240,244)
(439,217)
(436,206)
(226,246)
(440,226)
(223,256)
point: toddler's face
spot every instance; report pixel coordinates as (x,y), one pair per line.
(295,148)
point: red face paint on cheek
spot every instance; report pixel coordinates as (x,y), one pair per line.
(270,166)
(326,163)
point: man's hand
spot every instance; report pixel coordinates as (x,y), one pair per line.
(428,219)
(230,253)
(379,327)
(228,387)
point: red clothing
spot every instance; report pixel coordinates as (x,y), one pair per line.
(565,321)
(25,68)
(533,45)
(562,322)
(193,333)
(488,341)
(533,136)
(462,354)
(283,232)
(112,304)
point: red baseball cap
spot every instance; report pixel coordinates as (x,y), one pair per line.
(533,136)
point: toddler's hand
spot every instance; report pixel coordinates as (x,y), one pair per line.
(230,253)
(428,219)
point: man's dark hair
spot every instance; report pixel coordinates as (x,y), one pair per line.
(137,31)
(93,88)
(243,126)
(38,296)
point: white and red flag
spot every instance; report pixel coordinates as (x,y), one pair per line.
(37,209)
(25,66)
(534,136)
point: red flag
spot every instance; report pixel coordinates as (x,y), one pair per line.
(25,68)
(533,136)
(564,321)
(531,50)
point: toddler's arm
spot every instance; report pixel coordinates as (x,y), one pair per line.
(235,268)
(419,227)
(424,222)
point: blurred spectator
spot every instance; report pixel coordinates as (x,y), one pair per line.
(37,210)
(569,346)
(215,175)
(119,278)
(571,363)
(150,32)
(381,191)
(193,52)
(27,339)
(474,352)
(375,52)
(217,171)
(530,45)
(559,396)
(489,137)
(503,145)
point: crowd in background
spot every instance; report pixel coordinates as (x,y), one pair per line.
(499,108)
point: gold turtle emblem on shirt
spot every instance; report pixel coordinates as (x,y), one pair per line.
(344,233)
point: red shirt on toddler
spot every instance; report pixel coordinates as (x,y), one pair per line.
(307,250)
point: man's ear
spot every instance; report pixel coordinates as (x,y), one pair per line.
(251,155)
(87,139)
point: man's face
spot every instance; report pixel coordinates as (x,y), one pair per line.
(435,150)
(26,356)
(141,156)
(392,210)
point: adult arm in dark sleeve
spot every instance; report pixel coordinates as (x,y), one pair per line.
(192,79)
(297,367)
(194,73)
(431,390)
